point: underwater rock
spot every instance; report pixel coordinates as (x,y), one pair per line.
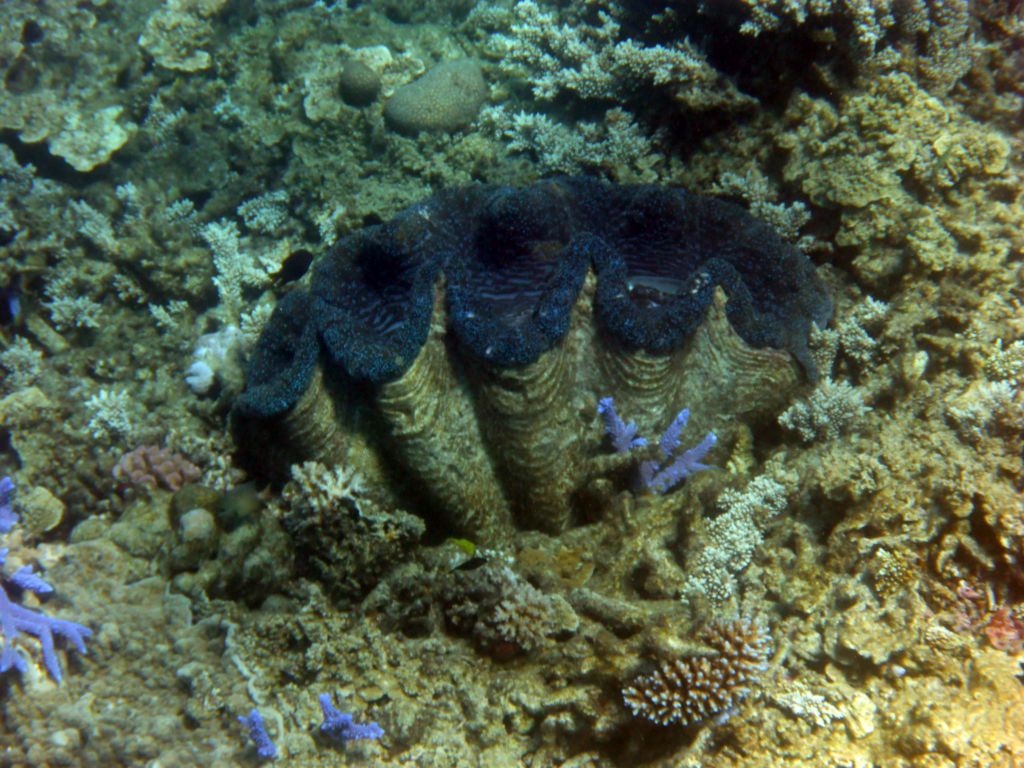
(358,84)
(447,97)
(40,510)
(470,338)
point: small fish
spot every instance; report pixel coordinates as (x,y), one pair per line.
(293,267)
(10,305)
(468,559)
(468,547)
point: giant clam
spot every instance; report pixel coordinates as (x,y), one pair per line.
(467,341)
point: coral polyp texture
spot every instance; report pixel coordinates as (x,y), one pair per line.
(696,689)
(481,325)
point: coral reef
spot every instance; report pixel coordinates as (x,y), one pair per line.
(257,733)
(342,727)
(654,475)
(17,620)
(200,199)
(349,540)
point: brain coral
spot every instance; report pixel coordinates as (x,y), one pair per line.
(468,340)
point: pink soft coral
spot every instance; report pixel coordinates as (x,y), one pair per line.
(155,467)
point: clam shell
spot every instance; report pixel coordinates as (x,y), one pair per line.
(436,435)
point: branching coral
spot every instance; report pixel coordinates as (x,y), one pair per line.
(597,62)
(730,540)
(16,619)
(832,408)
(658,476)
(696,689)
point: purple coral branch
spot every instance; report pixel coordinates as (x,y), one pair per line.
(8,519)
(342,727)
(26,578)
(657,476)
(257,732)
(16,619)
(623,435)
(660,480)
(670,439)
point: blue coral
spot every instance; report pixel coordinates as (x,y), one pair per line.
(16,619)
(256,729)
(8,518)
(658,476)
(624,436)
(341,727)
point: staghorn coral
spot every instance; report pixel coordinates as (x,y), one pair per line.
(726,544)
(698,689)
(266,213)
(342,727)
(256,730)
(17,620)
(110,414)
(654,476)
(618,145)
(237,267)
